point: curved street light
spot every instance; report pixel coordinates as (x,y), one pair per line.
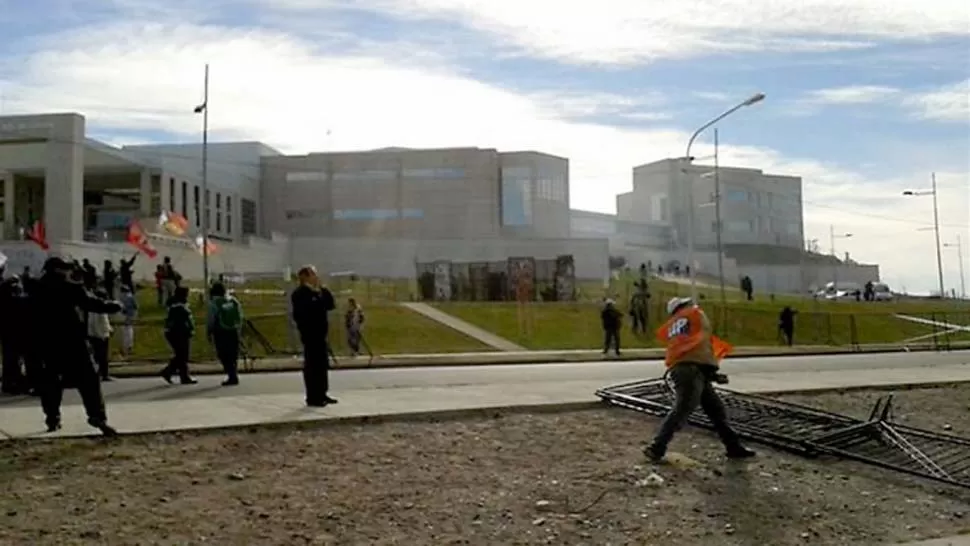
(936,228)
(753,99)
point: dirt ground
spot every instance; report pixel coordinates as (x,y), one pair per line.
(563,479)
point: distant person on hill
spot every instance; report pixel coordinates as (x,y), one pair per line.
(179,329)
(354,324)
(224,329)
(612,321)
(638,307)
(312,304)
(129,312)
(786,324)
(747,286)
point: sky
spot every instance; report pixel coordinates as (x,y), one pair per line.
(864,99)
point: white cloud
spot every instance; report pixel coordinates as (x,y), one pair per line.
(949,103)
(859,94)
(625,32)
(277,89)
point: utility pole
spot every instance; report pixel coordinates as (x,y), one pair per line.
(204,110)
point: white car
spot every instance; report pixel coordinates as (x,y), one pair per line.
(881,292)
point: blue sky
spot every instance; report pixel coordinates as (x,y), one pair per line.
(863,100)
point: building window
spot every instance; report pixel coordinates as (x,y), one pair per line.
(185,199)
(737,196)
(315,176)
(516,196)
(365,214)
(304,214)
(365,176)
(441,173)
(412,213)
(248,216)
(229,214)
(218,220)
(739,226)
(171,194)
(198,210)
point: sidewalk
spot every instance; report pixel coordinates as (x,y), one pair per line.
(186,410)
(294,363)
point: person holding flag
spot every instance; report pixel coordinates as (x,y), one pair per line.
(693,356)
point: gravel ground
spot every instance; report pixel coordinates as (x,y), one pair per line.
(572,478)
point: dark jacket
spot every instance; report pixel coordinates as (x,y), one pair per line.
(611,318)
(310,308)
(61,307)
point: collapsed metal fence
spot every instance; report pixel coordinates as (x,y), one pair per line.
(810,432)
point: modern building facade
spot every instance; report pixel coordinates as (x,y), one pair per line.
(756,207)
(429,194)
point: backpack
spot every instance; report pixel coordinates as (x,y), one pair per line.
(228,314)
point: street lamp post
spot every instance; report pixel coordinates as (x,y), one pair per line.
(754,99)
(835,265)
(936,228)
(204,110)
(959,246)
(717,220)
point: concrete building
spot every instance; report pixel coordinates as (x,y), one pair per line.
(380,211)
(421,194)
(756,207)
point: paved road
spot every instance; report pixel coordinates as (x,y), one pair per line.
(603,372)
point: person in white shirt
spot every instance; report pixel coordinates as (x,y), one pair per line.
(99,336)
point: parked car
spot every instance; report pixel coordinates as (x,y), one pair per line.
(881,292)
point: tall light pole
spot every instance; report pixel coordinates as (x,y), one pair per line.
(204,110)
(717,220)
(835,265)
(753,99)
(936,228)
(963,283)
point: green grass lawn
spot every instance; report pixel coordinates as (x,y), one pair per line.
(389,329)
(577,325)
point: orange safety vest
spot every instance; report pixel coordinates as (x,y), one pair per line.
(684,332)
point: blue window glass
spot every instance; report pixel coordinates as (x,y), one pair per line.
(738,196)
(365,176)
(440,173)
(516,196)
(412,213)
(364,214)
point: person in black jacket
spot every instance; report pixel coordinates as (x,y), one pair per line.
(12,335)
(311,304)
(62,303)
(612,320)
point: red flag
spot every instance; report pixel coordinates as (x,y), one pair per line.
(138,239)
(37,234)
(207,247)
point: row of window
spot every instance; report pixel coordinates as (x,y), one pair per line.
(357,214)
(223,208)
(438,173)
(756,225)
(551,186)
(516,196)
(761,199)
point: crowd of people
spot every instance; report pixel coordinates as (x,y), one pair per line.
(69,297)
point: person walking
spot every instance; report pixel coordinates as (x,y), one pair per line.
(13,309)
(311,305)
(354,323)
(693,367)
(109,278)
(224,323)
(126,272)
(612,320)
(786,325)
(129,312)
(179,329)
(59,296)
(99,336)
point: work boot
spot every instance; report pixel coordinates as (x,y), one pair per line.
(329,400)
(166,375)
(104,427)
(654,453)
(187,380)
(53,425)
(739,452)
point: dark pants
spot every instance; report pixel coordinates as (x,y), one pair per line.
(179,364)
(227,349)
(99,350)
(353,340)
(13,374)
(787,333)
(316,370)
(83,376)
(639,322)
(34,365)
(693,387)
(611,340)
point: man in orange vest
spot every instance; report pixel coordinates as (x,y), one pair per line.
(693,355)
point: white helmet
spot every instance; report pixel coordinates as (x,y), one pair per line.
(676,303)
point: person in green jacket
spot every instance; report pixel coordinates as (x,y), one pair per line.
(224,329)
(179,328)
